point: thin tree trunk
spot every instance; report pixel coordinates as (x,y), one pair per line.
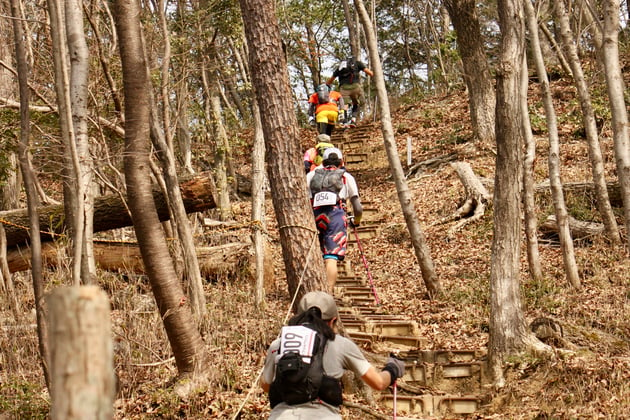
(616,89)
(258,204)
(590,126)
(179,219)
(557,194)
(418,239)
(529,202)
(31,193)
(79,67)
(184,338)
(72,186)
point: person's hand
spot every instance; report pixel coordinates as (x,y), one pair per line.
(353,222)
(311,120)
(395,367)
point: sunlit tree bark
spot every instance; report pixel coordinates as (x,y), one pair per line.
(508,329)
(298,235)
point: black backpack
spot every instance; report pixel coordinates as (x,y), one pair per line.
(323,94)
(348,68)
(298,379)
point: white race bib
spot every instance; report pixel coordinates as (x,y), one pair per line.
(298,339)
(324,198)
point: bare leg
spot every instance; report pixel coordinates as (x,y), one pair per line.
(331,273)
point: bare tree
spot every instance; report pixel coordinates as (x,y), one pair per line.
(79,67)
(590,125)
(73,188)
(557,194)
(184,338)
(470,45)
(290,196)
(616,89)
(508,329)
(529,204)
(418,239)
(31,193)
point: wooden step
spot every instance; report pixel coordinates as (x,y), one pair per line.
(364,232)
(431,405)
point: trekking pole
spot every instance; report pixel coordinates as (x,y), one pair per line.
(365,264)
(394,400)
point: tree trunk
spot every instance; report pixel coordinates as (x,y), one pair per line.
(470,45)
(183,336)
(418,239)
(258,205)
(616,89)
(590,126)
(160,140)
(508,329)
(31,193)
(529,202)
(110,211)
(557,194)
(79,67)
(72,193)
(290,195)
(82,354)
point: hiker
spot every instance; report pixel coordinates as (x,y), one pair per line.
(330,187)
(313,157)
(319,312)
(349,74)
(324,106)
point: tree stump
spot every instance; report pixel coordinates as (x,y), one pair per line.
(81,353)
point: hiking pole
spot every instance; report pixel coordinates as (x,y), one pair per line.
(394,400)
(365,264)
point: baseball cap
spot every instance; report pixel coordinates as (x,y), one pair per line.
(330,151)
(323,138)
(322,300)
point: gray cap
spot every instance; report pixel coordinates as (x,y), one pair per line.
(323,138)
(322,300)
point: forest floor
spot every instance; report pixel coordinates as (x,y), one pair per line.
(590,382)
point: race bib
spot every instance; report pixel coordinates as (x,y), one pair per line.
(298,339)
(324,198)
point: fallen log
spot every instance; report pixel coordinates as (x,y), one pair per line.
(110,212)
(579,229)
(125,257)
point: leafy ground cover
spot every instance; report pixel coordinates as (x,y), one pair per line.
(591,382)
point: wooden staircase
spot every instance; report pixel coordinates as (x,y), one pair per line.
(439,383)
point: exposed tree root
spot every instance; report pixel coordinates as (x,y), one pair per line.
(475,201)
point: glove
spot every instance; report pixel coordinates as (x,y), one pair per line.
(395,367)
(311,120)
